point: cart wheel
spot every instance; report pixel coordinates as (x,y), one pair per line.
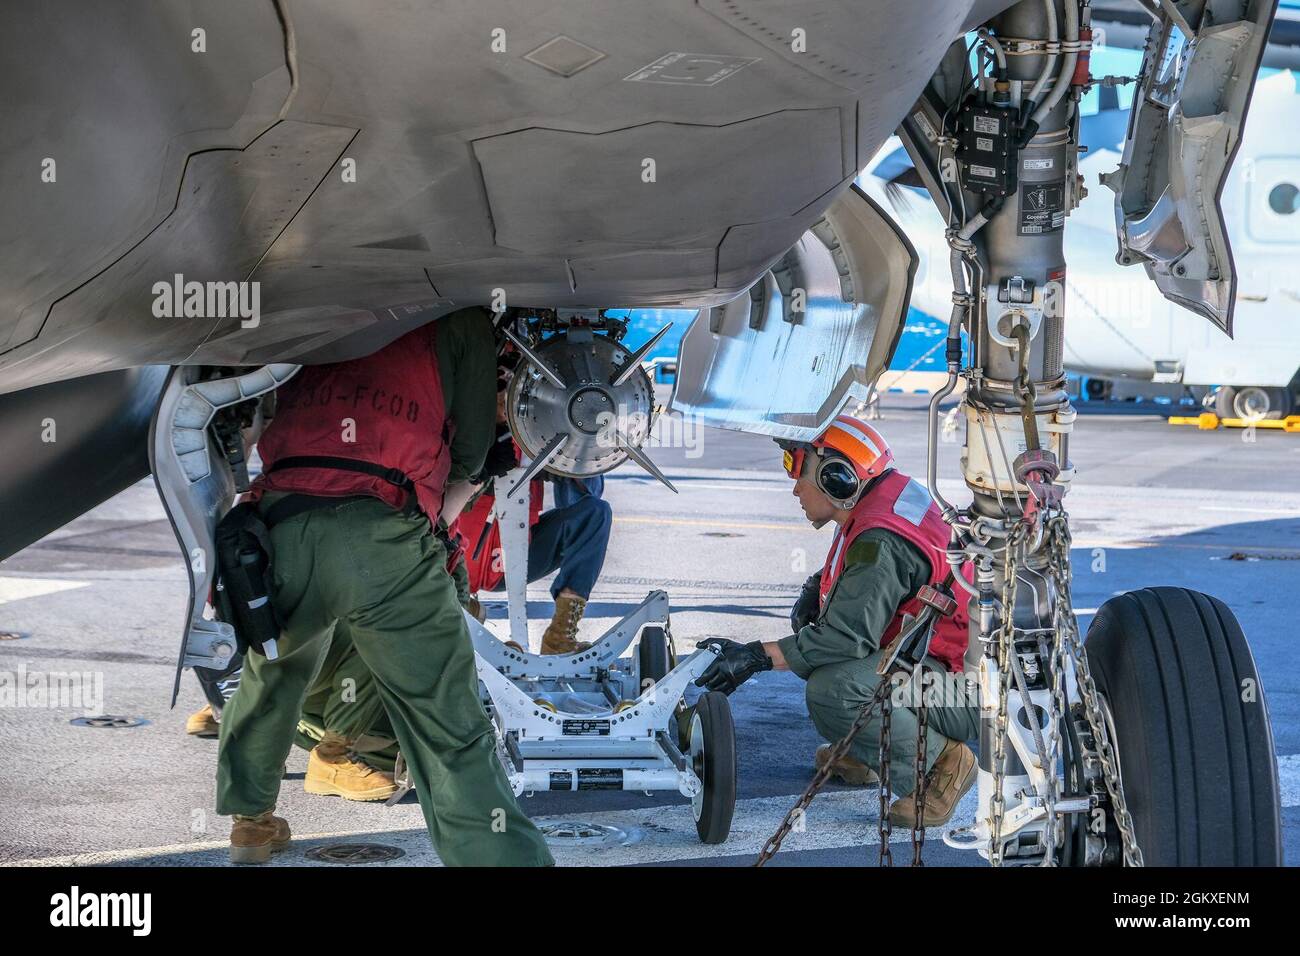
(679,724)
(652,656)
(713,758)
(1191,729)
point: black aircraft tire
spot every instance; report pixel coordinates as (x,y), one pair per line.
(652,655)
(1191,728)
(716,767)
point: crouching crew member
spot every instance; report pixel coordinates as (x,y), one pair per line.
(889,543)
(360,459)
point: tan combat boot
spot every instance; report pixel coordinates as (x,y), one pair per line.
(203,723)
(562,633)
(951,776)
(254,839)
(849,769)
(334,771)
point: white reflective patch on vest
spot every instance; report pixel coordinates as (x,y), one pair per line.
(913,502)
(839,548)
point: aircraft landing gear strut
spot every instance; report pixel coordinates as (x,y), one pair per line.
(1056,719)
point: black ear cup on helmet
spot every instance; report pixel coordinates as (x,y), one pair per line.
(838,479)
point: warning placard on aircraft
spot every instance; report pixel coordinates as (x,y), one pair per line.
(1042,207)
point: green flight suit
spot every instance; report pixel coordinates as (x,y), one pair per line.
(838,653)
(343,699)
(383,574)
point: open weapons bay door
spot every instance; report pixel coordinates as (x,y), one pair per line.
(1198,74)
(815,331)
(197,488)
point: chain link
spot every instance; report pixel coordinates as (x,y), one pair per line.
(922,777)
(1059,552)
(884,825)
(879,701)
(1056,713)
(865,713)
(1062,620)
(1005,637)
(1065,637)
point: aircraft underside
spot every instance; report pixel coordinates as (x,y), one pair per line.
(372,166)
(367,168)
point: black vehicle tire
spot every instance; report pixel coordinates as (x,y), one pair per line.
(1098,389)
(653,655)
(1238,402)
(1191,729)
(713,755)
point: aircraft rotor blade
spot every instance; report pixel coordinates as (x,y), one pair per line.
(634,360)
(527,351)
(541,461)
(638,456)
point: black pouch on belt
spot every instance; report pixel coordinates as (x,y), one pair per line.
(243,587)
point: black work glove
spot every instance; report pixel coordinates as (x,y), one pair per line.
(737,664)
(500,457)
(808,605)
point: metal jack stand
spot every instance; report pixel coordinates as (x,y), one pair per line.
(596,720)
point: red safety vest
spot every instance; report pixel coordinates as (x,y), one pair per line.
(903,506)
(483,554)
(386,409)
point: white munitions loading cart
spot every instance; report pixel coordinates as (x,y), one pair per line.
(598,720)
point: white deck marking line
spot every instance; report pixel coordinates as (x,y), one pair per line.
(18,589)
(836,820)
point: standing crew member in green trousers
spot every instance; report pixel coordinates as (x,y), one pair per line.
(361,458)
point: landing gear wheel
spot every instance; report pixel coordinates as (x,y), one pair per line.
(653,655)
(1253,402)
(713,758)
(1191,729)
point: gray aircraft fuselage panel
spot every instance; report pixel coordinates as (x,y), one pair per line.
(573,154)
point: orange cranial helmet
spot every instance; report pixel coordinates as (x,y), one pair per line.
(861,444)
(844,458)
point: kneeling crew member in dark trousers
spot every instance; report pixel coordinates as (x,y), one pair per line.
(889,543)
(361,457)
(572,538)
